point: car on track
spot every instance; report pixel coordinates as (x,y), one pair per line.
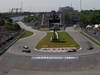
(73,50)
(90,48)
(26,49)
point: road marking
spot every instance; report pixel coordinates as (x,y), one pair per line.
(66,58)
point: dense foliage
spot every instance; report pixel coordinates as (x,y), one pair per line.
(85,17)
(9,24)
(90,17)
(30,19)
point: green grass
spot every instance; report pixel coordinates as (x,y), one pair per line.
(65,40)
(26,34)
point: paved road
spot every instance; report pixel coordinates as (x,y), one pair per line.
(31,41)
(11,64)
(38,35)
(14,62)
(81,40)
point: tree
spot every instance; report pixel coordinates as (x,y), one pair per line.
(30,19)
(2,22)
(90,17)
(67,18)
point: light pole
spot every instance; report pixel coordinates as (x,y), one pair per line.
(80,5)
(21,6)
(80,12)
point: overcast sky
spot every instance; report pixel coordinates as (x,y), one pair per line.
(47,5)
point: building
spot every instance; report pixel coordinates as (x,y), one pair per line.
(55,20)
(69,16)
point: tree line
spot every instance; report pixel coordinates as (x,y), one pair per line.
(85,17)
(8,23)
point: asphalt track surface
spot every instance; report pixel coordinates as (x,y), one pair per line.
(83,62)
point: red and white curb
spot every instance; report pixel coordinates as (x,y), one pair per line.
(57,49)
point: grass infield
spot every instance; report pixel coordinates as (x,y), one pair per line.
(65,40)
(26,34)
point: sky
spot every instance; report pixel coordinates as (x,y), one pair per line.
(47,5)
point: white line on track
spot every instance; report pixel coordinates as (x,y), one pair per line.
(66,58)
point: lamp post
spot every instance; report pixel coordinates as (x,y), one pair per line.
(80,5)
(80,12)
(21,10)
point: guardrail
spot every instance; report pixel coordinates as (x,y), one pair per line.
(91,38)
(9,44)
